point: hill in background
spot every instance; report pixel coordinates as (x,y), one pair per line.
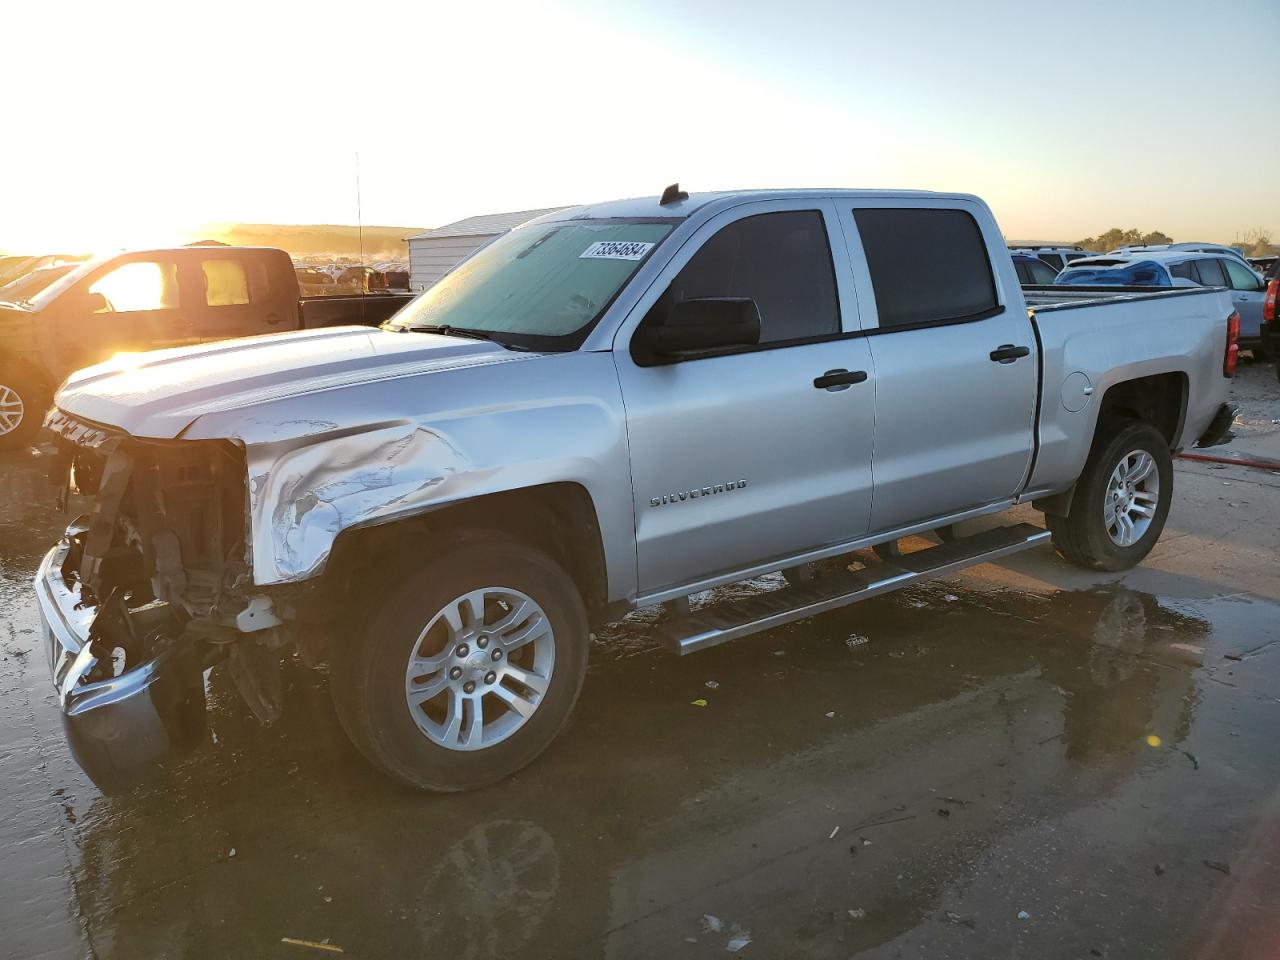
(322,239)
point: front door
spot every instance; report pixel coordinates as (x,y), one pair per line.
(1248,294)
(955,368)
(739,457)
(235,295)
(129,306)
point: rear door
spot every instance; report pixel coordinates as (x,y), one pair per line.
(1248,294)
(955,361)
(238,294)
(739,457)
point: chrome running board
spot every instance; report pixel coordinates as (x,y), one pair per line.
(727,621)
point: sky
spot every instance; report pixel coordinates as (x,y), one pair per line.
(131,124)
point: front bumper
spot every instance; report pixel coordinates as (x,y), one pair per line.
(121,725)
(1219,429)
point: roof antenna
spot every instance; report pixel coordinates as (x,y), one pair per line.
(364,279)
(672,194)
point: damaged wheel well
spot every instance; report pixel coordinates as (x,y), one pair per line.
(557,518)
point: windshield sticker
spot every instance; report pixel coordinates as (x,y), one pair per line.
(616,250)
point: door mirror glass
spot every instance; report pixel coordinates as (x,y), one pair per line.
(706,323)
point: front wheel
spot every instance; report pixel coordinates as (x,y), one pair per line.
(468,671)
(22,405)
(1121,501)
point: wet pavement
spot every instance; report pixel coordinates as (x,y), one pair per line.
(1028,760)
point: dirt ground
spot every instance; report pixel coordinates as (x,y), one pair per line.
(1028,761)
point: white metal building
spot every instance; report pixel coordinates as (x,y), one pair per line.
(434,253)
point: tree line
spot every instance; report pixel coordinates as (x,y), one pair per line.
(1255,243)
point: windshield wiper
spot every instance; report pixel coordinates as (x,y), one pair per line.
(467,332)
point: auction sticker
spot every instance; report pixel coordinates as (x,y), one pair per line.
(616,250)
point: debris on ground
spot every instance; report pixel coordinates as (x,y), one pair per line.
(1023,915)
(711,924)
(856,640)
(779,653)
(944,812)
(313,944)
(956,800)
(1195,761)
(857,914)
(231,853)
(1233,656)
(830,714)
(738,942)
(699,702)
(961,921)
(712,685)
(833,833)
(950,598)
(865,841)
(1159,869)
(1219,866)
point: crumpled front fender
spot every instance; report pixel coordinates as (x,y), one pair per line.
(302,499)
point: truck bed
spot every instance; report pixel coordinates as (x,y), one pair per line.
(1042,298)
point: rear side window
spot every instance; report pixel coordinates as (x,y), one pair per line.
(1186,271)
(1041,272)
(955,285)
(782,261)
(225,283)
(1052,259)
(1211,274)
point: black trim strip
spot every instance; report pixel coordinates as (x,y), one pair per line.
(930,324)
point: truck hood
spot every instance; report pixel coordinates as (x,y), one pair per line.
(160,393)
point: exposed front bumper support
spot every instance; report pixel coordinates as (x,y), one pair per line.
(120,725)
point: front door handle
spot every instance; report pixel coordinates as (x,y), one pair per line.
(1007,353)
(839,379)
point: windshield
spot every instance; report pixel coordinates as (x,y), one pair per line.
(1145,273)
(540,286)
(26,287)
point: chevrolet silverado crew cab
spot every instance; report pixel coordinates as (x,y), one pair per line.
(148,299)
(612,406)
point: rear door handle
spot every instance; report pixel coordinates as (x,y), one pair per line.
(839,379)
(1007,353)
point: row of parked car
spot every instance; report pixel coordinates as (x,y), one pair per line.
(1160,265)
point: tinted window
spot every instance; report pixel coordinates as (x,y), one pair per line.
(1020,268)
(136,286)
(782,261)
(1052,259)
(1187,271)
(958,282)
(1075,256)
(1211,274)
(1241,278)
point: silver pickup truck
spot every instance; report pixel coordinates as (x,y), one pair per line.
(613,406)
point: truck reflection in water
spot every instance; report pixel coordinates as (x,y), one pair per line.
(650,812)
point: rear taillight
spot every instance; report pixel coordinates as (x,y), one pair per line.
(1233,345)
(1269,304)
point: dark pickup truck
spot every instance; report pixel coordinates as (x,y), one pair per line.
(148,300)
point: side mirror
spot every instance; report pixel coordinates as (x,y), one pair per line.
(709,323)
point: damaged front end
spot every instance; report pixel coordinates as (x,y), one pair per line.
(146,591)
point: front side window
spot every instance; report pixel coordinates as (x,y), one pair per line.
(927,265)
(1211,274)
(782,261)
(137,286)
(225,283)
(540,286)
(1240,277)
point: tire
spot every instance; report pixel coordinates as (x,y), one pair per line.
(22,406)
(1083,535)
(370,676)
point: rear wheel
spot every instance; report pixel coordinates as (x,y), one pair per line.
(1121,501)
(468,671)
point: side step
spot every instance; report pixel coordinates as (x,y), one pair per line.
(729,621)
